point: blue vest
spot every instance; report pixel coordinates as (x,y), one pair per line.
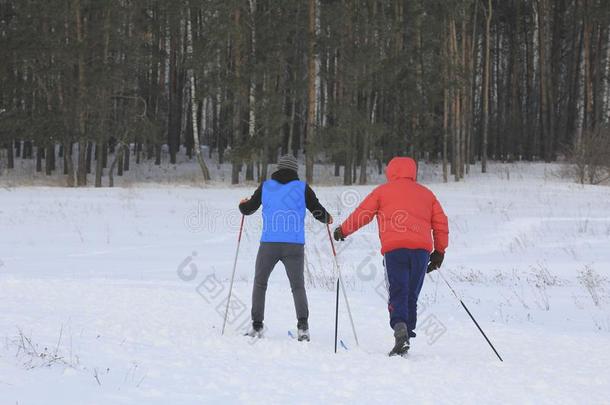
(283,212)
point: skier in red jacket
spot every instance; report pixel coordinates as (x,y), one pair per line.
(411,224)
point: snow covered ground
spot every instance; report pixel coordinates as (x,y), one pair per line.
(115,296)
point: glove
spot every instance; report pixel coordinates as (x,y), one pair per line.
(436,259)
(338,234)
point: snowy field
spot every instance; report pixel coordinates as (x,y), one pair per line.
(112,296)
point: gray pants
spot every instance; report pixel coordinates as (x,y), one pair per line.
(292,256)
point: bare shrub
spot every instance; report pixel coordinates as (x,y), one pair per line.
(470,276)
(319,276)
(539,279)
(590,156)
(34,355)
(594,283)
(540,276)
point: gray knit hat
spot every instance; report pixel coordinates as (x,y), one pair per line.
(288,162)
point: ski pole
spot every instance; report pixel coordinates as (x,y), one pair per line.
(469,314)
(241,227)
(337,316)
(342,287)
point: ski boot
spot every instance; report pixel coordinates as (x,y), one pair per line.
(302,330)
(401,340)
(256,330)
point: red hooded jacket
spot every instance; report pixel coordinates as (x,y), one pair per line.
(408,214)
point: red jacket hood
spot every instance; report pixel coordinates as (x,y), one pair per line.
(401,168)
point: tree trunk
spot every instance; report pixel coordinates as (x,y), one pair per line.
(445,134)
(120,163)
(532,144)
(157,154)
(545,130)
(191,75)
(175,100)
(10,150)
(137,151)
(252,90)
(236,151)
(464,98)
(292,123)
(574,78)
(456,116)
(104,146)
(27,152)
(99,163)
(126,157)
(445,61)
(118,158)
(69,165)
(81,176)
(365,142)
(588,81)
(89,156)
(50,159)
(264,160)
(486,89)
(312,81)
(347,172)
(471,99)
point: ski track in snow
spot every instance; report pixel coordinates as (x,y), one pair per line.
(116,296)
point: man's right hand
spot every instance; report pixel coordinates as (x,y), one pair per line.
(338,234)
(244,200)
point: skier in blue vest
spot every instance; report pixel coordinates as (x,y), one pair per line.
(284,199)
